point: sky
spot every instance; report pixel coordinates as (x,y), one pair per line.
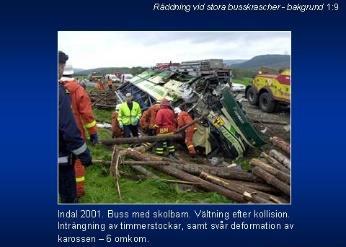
(95,49)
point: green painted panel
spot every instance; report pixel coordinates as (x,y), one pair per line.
(237,115)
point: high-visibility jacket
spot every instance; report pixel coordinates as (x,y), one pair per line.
(127,116)
(184,119)
(116,131)
(81,106)
(165,120)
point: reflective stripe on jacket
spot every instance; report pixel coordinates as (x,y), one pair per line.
(127,116)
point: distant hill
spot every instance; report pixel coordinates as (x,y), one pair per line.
(230,62)
(274,61)
(77,70)
(111,70)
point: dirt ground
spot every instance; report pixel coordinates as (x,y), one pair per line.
(271,124)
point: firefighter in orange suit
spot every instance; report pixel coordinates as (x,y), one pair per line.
(183,119)
(99,85)
(165,124)
(110,84)
(116,130)
(84,116)
(148,119)
(144,121)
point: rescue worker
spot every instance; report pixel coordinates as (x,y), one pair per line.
(71,144)
(110,83)
(183,119)
(99,85)
(116,130)
(165,124)
(144,121)
(148,118)
(129,115)
(84,116)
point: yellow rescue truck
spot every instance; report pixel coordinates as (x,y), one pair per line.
(269,90)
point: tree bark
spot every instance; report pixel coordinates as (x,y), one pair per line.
(275,172)
(280,143)
(248,193)
(132,140)
(196,169)
(270,179)
(170,170)
(176,181)
(280,157)
(144,162)
(223,172)
(256,186)
(275,163)
(144,171)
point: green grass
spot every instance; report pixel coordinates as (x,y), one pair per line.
(245,80)
(100,186)
(244,163)
(103,115)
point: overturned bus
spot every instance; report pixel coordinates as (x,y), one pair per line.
(225,130)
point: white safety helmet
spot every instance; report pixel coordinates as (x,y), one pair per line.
(117,107)
(68,71)
(177,110)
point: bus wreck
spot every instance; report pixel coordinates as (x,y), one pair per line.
(224,131)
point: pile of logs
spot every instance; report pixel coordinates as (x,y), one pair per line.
(269,181)
(103,99)
(275,168)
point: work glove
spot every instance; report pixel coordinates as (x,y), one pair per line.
(135,122)
(85,158)
(94,139)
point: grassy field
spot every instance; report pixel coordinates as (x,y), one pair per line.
(245,80)
(100,186)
